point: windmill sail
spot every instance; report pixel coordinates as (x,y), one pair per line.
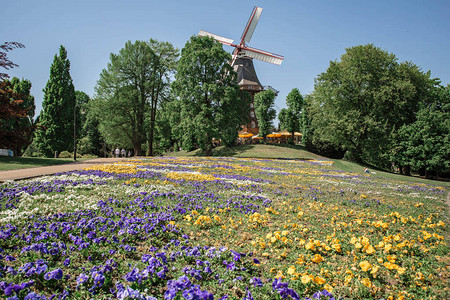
(219,38)
(251,25)
(261,55)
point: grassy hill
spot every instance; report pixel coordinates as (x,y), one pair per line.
(285,151)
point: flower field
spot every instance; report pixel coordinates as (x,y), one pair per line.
(222,228)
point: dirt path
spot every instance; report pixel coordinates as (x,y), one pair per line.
(49,170)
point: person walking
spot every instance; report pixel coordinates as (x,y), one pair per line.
(117,152)
(124,152)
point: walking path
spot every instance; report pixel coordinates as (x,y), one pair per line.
(49,170)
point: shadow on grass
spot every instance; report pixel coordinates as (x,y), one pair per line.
(29,162)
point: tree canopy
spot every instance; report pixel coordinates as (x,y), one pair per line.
(291,118)
(264,111)
(362,99)
(210,102)
(129,89)
(55,128)
(5,62)
(16,112)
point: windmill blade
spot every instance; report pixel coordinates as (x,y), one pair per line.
(262,55)
(251,25)
(219,38)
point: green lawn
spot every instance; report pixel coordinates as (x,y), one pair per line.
(283,151)
(286,151)
(18,162)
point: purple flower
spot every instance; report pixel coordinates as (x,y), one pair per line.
(99,279)
(34,296)
(256,282)
(133,275)
(82,278)
(55,274)
(66,262)
(230,266)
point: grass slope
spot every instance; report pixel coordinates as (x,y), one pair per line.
(285,151)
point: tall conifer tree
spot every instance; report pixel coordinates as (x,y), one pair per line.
(55,132)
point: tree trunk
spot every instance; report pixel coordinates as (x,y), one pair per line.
(407,170)
(292,137)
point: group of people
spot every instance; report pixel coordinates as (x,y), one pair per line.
(121,153)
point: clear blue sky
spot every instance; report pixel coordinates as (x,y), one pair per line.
(309,34)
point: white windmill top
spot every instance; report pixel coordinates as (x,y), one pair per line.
(241,49)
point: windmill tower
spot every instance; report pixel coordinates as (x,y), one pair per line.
(243,63)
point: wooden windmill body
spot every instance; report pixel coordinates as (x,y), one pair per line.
(243,64)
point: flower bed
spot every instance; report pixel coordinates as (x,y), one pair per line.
(222,228)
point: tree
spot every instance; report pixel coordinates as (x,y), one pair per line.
(14,132)
(129,89)
(164,66)
(55,131)
(292,117)
(210,103)
(362,99)
(264,111)
(89,138)
(424,145)
(4,60)
(23,88)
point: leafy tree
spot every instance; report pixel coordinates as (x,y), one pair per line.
(14,132)
(424,145)
(89,138)
(264,111)
(291,118)
(5,62)
(23,88)
(163,68)
(361,100)
(128,92)
(55,131)
(210,103)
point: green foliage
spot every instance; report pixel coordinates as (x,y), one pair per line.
(210,103)
(55,128)
(264,111)
(89,140)
(425,144)
(129,89)
(360,101)
(17,111)
(67,154)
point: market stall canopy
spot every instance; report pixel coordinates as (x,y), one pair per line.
(285,133)
(245,134)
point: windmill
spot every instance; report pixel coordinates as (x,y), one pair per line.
(242,62)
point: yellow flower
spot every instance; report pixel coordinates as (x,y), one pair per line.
(392,258)
(365,265)
(317,258)
(370,250)
(374,270)
(291,270)
(328,287)
(310,246)
(390,265)
(305,279)
(336,247)
(319,280)
(367,282)
(401,270)
(358,245)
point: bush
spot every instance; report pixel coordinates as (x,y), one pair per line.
(67,154)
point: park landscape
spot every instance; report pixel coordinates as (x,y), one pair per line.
(341,193)
(223,228)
